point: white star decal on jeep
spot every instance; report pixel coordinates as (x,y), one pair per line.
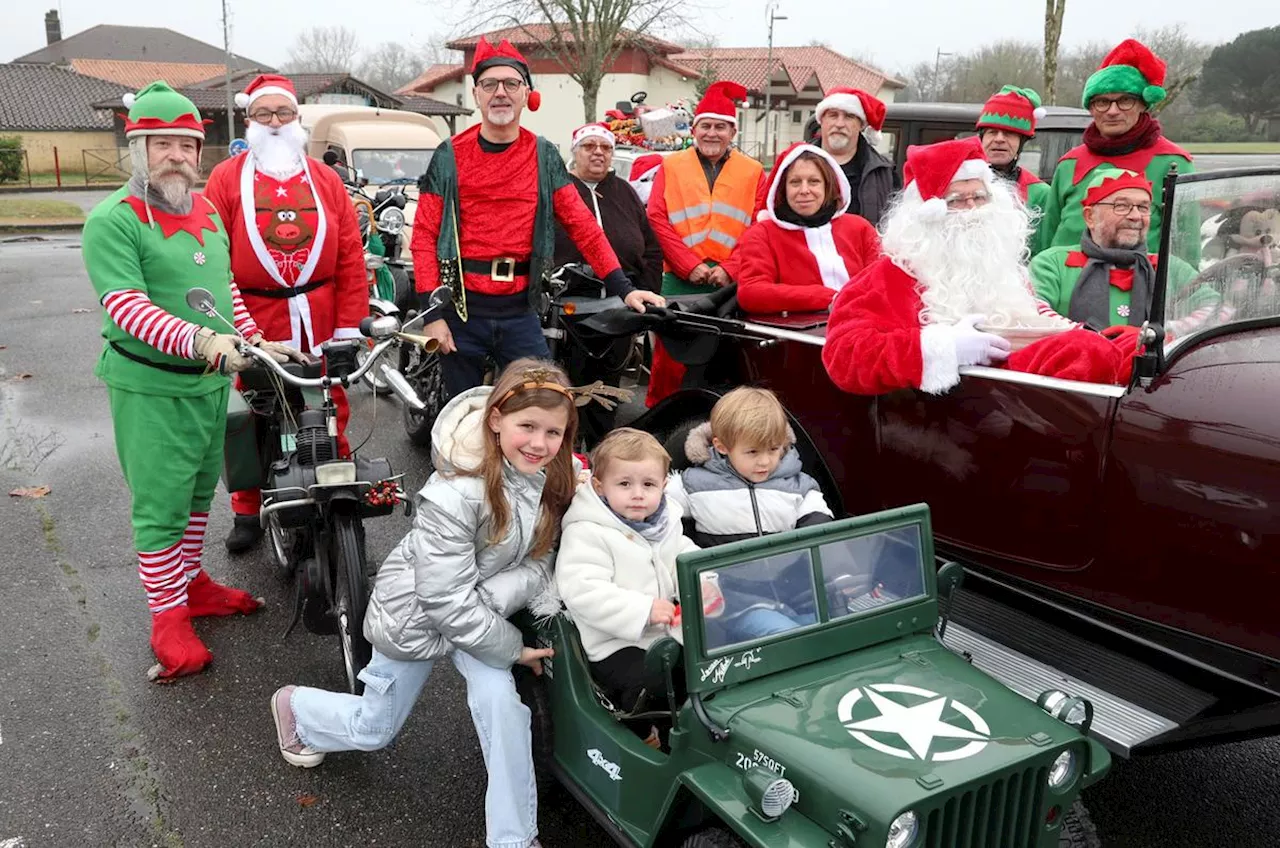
(918,725)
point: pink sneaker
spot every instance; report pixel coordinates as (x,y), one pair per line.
(291,747)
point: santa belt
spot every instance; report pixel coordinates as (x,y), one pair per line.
(197,370)
(283,292)
(503,269)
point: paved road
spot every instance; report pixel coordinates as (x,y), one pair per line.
(93,755)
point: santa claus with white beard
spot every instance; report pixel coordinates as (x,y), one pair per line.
(296,250)
(954,253)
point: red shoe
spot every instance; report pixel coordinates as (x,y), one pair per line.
(176,646)
(205,597)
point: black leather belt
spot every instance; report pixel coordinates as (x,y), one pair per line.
(282,292)
(197,370)
(504,269)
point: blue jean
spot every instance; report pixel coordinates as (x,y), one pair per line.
(504,340)
(758,623)
(336,721)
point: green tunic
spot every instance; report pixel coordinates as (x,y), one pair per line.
(1062,224)
(1056,271)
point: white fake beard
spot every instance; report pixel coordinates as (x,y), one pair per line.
(277,152)
(972,261)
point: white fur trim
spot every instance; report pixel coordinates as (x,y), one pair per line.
(733,119)
(873,137)
(242,100)
(845,103)
(269,89)
(592,131)
(780,167)
(940,366)
(763,215)
(182,131)
(973,169)
(822,244)
(933,209)
(1039,112)
(129,99)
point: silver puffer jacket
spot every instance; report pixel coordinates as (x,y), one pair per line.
(445,586)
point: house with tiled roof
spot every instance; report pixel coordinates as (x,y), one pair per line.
(800,78)
(643,63)
(51,110)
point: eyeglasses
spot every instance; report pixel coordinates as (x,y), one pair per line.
(264,116)
(595,148)
(1124,207)
(489,86)
(960,201)
(1102,105)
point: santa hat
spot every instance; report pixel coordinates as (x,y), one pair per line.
(720,102)
(778,175)
(599,131)
(855,101)
(1111,180)
(264,84)
(1131,68)
(932,168)
(159,110)
(1013,109)
(643,172)
(507,56)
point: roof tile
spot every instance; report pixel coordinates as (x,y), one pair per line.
(43,98)
(746,65)
(138,74)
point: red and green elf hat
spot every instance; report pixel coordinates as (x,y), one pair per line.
(1109,180)
(1131,68)
(1014,109)
(159,110)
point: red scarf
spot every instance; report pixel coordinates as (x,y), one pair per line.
(1143,134)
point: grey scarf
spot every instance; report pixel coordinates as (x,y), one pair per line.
(654,528)
(1091,300)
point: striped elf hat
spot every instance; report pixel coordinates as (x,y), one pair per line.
(159,110)
(1014,109)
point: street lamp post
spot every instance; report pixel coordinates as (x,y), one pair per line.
(226,58)
(768,76)
(937,68)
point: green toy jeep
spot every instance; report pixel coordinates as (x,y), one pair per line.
(854,726)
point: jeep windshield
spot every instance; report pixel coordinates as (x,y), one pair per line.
(1225,264)
(380,167)
(787,593)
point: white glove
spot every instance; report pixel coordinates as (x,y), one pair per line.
(221,351)
(281,353)
(974,347)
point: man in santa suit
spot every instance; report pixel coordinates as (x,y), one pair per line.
(296,251)
(954,245)
(486,227)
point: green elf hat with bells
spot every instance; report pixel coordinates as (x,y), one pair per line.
(1013,109)
(1131,68)
(159,110)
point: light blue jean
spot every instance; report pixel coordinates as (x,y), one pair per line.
(758,623)
(336,721)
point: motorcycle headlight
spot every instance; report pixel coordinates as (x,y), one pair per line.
(903,831)
(1063,771)
(391,220)
(335,473)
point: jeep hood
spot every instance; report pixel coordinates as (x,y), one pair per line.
(888,728)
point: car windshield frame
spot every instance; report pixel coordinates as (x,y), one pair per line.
(360,162)
(833,632)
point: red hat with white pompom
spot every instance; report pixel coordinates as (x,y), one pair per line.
(264,84)
(855,101)
(505,55)
(784,163)
(720,103)
(932,168)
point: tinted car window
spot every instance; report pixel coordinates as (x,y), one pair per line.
(869,572)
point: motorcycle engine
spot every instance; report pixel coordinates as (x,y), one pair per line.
(312,440)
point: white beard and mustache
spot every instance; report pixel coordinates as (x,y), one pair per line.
(277,152)
(971,262)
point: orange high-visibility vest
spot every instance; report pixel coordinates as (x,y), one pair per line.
(710,224)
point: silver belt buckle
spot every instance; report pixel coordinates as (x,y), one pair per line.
(503,270)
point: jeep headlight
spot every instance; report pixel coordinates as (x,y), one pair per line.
(903,831)
(1063,771)
(391,220)
(770,795)
(1076,712)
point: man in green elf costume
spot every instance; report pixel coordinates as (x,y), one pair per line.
(1123,135)
(166,364)
(1107,280)
(1007,123)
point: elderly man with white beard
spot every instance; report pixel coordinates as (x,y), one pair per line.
(954,249)
(165,364)
(296,250)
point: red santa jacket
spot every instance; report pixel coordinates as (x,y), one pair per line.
(298,233)
(781,267)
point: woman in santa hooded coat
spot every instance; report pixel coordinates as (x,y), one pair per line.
(803,248)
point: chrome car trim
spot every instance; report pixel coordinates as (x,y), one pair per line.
(1007,376)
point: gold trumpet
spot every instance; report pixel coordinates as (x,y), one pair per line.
(428,344)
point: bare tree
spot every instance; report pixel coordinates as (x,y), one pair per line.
(390,65)
(1184,58)
(584,36)
(978,75)
(324,50)
(1053,13)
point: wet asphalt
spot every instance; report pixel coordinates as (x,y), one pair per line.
(91,754)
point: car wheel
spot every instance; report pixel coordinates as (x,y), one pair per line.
(1078,829)
(533,693)
(713,837)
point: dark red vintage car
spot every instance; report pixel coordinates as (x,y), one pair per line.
(1123,542)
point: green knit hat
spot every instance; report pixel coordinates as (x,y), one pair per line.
(1131,68)
(159,110)
(1014,109)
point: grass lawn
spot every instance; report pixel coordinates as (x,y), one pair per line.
(24,211)
(1212,147)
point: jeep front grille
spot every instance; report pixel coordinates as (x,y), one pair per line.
(1001,814)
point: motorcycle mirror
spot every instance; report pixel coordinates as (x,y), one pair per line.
(441,296)
(201,300)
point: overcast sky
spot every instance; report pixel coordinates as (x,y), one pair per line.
(894,35)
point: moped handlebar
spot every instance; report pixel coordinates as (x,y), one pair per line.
(317,382)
